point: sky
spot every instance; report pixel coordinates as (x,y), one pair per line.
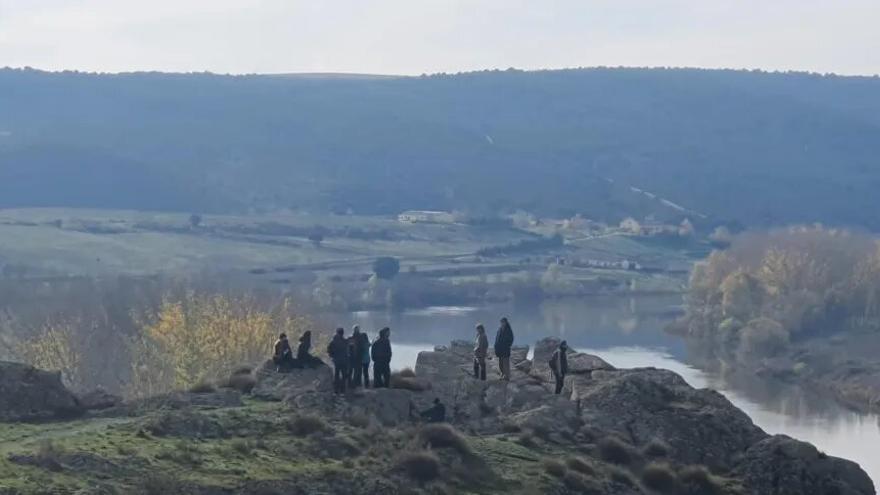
(429,36)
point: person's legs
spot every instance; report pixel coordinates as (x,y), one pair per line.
(366,373)
(505,367)
(483,368)
(384,372)
(560,381)
(476,367)
(356,375)
(338,378)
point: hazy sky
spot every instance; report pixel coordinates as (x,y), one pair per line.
(418,36)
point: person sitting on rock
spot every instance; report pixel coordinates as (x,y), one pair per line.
(481,351)
(559,365)
(304,359)
(283,357)
(381,354)
(337,349)
(503,344)
(435,413)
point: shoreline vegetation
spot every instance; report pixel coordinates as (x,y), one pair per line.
(800,305)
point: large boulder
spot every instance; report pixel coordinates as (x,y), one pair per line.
(780,465)
(639,405)
(272,385)
(27,393)
(389,406)
(580,363)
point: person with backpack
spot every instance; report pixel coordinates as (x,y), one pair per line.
(435,413)
(503,344)
(381,354)
(559,365)
(481,351)
(338,352)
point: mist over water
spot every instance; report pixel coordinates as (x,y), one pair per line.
(628,332)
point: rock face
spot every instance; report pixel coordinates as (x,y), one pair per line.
(784,466)
(640,405)
(28,394)
(278,386)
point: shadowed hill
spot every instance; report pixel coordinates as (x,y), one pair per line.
(753,147)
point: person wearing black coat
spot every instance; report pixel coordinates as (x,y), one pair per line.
(503,343)
(304,358)
(435,413)
(381,354)
(559,365)
(283,356)
(338,352)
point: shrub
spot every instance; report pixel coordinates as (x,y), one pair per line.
(302,426)
(554,467)
(621,476)
(359,420)
(615,451)
(203,387)
(160,484)
(421,466)
(577,482)
(696,480)
(660,478)
(580,465)
(762,337)
(508,427)
(527,440)
(656,448)
(442,436)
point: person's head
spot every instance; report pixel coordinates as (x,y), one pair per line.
(481,329)
(340,332)
(504,321)
(563,345)
(385,332)
(436,400)
(283,336)
(306,335)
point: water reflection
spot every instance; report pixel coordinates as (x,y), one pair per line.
(628,332)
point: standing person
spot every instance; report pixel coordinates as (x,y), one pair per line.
(503,343)
(481,350)
(363,350)
(381,354)
(283,356)
(559,365)
(354,359)
(338,352)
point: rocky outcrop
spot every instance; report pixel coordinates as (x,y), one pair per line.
(780,465)
(28,394)
(640,407)
(272,385)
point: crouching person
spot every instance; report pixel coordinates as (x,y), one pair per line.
(435,413)
(283,356)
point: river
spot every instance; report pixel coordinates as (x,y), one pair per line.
(628,332)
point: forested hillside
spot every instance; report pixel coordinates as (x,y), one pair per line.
(755,148)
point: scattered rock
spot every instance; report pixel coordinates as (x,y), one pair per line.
(99,399)
(28,394)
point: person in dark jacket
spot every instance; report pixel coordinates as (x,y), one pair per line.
(381,354)
(304,358)
(481,351)
(559,365)
(363,350)
(435,413)
(283,357)
(338,352)
(503,343)
(355,357)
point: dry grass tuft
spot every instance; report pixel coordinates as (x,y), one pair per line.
(615,451)
(421,466)
(580,465)
(696,480)
(439,435)
(555,468)
(660,478)
(302,426)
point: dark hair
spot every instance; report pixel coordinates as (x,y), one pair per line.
(340,331)
(481,327)
(436,400)
(384,331)
(282,336)
(307,335)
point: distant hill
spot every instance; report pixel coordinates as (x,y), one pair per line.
(737,146)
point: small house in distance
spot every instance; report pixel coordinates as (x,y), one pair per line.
(425,216)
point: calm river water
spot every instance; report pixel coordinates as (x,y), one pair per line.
(628,332)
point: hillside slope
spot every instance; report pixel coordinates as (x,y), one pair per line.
(756,148)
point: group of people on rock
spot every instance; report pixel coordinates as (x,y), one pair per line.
(351,357)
